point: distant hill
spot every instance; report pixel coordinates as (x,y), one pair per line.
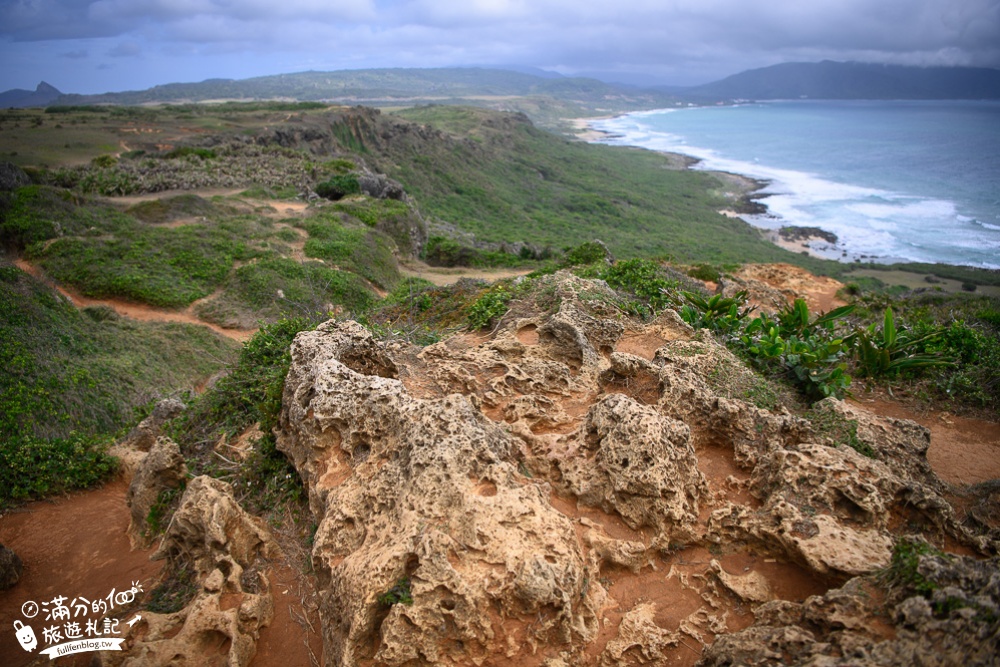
(547,98)
(19,98)
(377,85)
(835,80)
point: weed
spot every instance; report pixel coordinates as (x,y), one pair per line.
(490,306)
(719,314)
(174,593)
(890,351)
(400,593)
(161,510)
(903,568)
(831,425)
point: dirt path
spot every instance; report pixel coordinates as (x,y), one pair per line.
(446,276)
(962,450)
(136,311)
(71,546)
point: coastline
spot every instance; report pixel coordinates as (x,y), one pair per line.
(738,187)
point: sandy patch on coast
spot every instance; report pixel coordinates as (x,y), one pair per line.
(584,131)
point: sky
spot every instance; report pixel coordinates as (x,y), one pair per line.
(95,46)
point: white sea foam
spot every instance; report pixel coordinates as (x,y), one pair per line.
(869,222)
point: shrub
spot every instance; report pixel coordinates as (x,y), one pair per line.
(339,186)
(104,161)
(643,278)
(722,315)
(489,307)
(586,253)
(33,468)
(706,272)
(186,151)
(889,351)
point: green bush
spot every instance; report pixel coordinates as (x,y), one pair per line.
(719,314)
(250,393)
(644,279)
(888,351)
(442,251)
(490,306)
(339,186)
(33,468)
(585,253)
(104,161)
(706,272)
(188,151)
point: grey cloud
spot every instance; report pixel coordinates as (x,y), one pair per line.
(126,50)
(696,38)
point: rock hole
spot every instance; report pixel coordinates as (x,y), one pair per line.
(625,463)
(412,563)
(528,335)
(448,604)
(487,489)
(361,453)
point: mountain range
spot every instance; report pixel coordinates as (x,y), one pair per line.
(846,81)
(547,91)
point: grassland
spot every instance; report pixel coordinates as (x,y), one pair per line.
(492,188)
(72,377)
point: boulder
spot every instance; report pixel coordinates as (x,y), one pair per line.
(221,548)
(161,470)
(10,568)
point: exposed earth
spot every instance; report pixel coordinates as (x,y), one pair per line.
(570,490)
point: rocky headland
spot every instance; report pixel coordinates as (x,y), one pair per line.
(579,487)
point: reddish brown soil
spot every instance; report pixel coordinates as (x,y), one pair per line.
(135,311)
(962,451)
(293,637)
(71,546)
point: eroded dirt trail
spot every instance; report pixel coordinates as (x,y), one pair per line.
(71,546)
(135,311)
(963,450)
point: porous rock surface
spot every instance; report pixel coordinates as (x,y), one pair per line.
(163,468)
(958,624)
(11,568)
(220,548)
(550,494)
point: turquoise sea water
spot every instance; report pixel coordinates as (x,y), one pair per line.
(894,180)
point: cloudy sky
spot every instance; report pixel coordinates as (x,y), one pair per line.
(88,46)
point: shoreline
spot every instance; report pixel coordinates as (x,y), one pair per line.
(746,195)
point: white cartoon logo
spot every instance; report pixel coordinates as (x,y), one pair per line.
(25,636)
(66,628)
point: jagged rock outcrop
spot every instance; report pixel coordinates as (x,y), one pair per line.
(162,469)
(958,623)
(423,491)
(212,541)
(133,449)
(487,497)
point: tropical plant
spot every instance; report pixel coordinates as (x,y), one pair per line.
(724,315)
(888,351)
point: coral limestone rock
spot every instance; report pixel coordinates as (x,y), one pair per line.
(423,492)
(161,469)
(577,487)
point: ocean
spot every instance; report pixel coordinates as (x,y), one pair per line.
(896,181)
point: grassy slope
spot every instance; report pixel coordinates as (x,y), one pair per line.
(73,377)
(504,180)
